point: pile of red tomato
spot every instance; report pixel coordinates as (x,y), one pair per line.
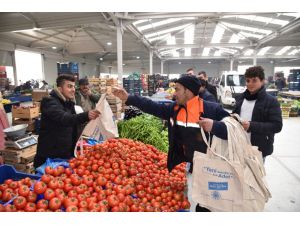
(119,175)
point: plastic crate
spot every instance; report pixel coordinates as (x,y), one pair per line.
(9,172)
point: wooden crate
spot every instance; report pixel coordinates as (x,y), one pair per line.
(25,113)
(25,155)
(31,123)
(38,95)
(25,168)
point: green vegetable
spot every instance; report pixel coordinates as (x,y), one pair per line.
(147,129)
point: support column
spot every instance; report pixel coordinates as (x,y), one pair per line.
(120,52)
(13,58)
(151,61)
(254,58)
(161,67)
(231,64)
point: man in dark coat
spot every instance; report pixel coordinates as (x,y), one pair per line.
(204,93)
(211,88)
(58,132)
(185,116)
(260,111)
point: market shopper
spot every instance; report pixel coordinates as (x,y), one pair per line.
(211,88)
(185,116)
(58,131)
(260,112)
(84,96)
(190,72)
(204,93)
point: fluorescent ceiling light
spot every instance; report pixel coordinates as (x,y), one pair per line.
(209,62)
(189,35)
(157,24)
(109,43)
(235,26)
(166,31)
(219,31)
(262,19)
(205,52)
(234,39)
(140,21)
(249,52)
(101,59)
(54,47)
(137,57)
(294,52)
(179,62)
(187,52)
(263,50)
(283,50)
(258,36)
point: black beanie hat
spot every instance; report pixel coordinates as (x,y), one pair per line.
(190,82)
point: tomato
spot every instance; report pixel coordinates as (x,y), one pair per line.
(46,178)
(7,195)
(3,187)
(72,208)
(49,194)
(42,204)
(53,184)
(40,187)
(13,185)
(10,208)
(55,203)
(61,169)
(72,193)
(101,181)
(30,207)
(68,187)
(60,184)
(185,204)
(72,201)
(82,204)
(49,170)
(75,179)
(20,202)
(41,210)
(68,171)
(113,200)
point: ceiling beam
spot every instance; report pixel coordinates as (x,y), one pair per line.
(228,45)
(96,40)
(288,29)
(30,18)
(66,45)
(227,57)
(33,37)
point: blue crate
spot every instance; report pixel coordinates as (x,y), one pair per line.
(9,172)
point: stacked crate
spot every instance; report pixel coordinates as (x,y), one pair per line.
(94,83)
(115,105)
(102,85)
(110,83)
(151,85)
(25,115)
(21,159)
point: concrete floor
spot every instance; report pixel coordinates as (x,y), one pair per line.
(283,169)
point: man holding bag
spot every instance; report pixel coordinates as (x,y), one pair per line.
(184,117)
(58,132)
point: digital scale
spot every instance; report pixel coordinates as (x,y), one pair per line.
(21,142)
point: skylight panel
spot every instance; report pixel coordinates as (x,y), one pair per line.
(218,53)
(235,26)
(160,23)
(140,21)
(158,38)
(205,52)
(187,52)
(283,50)
(217,36)
(171,40)
(249,52)
(263,51)
(291,14)
(294,52)
(234,39)
(166,31)
(189,35)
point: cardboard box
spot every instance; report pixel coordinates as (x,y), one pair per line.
(25,113)
(38,95)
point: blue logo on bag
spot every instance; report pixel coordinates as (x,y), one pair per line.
(220,186)
(216,195)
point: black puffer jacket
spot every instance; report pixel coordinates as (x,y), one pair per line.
(58,132)
(266,121)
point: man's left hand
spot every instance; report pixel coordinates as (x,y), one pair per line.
(206,123)
(246,125)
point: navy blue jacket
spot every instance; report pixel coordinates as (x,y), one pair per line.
(211,110)
(266,121)
(207,96)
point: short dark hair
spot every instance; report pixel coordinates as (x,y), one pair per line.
(202,72)
(83,81)
(202,82)
(62,78)
(255,71)
(189,69)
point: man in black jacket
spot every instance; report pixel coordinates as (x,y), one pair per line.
(211,88)
(260,111)
(58,132)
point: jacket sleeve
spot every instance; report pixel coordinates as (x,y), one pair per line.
(51,109)
(211,98)
(219,128)
(273,124)
(147,105)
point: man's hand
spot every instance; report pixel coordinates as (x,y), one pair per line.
(206,124)
(246,125)
(120,93)
(93,114)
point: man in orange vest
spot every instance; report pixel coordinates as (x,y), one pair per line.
(185,116)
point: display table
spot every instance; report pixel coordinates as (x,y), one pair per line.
(290,94)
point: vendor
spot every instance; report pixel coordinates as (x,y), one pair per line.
(58,132)
(84,96)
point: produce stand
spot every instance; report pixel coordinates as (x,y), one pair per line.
(290,94)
